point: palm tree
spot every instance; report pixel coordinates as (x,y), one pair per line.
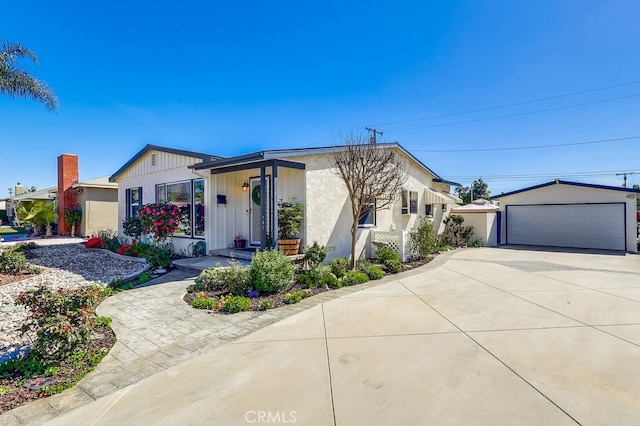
(17,82)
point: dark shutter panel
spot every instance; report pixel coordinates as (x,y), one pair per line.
(128,203)
(140,203)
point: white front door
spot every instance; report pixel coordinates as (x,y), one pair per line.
(254,212)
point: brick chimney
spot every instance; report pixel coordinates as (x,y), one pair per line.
(67,196)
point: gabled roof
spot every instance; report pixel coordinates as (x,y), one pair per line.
(566,182)
(295,152)
(204,157)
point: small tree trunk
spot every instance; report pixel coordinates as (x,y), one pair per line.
(354,237)
(73,230)
(49,233)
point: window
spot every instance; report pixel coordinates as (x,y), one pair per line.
(161,194)
(134,201)
(198,207)
(444,207)
(409,202)
(368,215)
(428,210)
(189,197)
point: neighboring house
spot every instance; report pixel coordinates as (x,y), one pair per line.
(484,217)
(97,199)
(570,214)
(98,202)
(221,197)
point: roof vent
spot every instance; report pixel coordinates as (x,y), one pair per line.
(153,160)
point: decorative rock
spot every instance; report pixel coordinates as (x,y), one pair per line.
(160,271)
(66,266)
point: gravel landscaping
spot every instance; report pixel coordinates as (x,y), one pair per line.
(68,266)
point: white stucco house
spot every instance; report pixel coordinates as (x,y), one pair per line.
(570,214)
(222,196)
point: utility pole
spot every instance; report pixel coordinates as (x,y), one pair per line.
(624,175)
(373,140)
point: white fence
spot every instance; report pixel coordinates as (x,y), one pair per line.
(396,240)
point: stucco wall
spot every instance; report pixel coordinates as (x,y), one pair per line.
(485,226)
(99,210)
(328,208)
(141,174)
(569,194)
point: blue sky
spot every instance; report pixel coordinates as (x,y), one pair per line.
(229,78)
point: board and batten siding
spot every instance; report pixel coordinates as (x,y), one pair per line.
(163,161)
(168,168)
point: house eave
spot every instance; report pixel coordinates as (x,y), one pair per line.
(149,147)
(566,182)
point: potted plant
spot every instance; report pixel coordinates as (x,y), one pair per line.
(239,242)
(72,217)
(290,216)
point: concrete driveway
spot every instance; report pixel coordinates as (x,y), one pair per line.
(491,336)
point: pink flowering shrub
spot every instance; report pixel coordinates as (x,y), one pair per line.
(159,220)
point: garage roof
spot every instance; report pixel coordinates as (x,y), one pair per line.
(566,182)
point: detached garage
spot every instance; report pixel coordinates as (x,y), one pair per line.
(570,214)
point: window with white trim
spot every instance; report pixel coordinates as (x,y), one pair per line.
(189,197)
(409,202)
(428,210)
(368,215)
(134,201)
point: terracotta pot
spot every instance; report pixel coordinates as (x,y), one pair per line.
(289,247)
(239,244)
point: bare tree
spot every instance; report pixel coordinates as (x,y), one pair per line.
(374,175)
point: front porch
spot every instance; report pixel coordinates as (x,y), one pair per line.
(244,194)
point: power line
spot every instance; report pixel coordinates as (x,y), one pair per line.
(547,175)
(516,148)
(509,105)
(513,115)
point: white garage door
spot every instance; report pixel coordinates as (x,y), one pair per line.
(597,226)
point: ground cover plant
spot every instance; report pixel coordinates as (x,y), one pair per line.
(70,340)
(272,281)
(14,265)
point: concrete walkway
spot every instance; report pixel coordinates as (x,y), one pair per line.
(487,336)
(156,330)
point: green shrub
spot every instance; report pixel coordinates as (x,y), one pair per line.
(24,247)
(354,278)
(390,259)
(234,278)
(63,320)
(121,285)
(372,271)
(14,263)
(110,239)
(310,278)
(235,304)
(314,255)
(144,277)
(210,280)
(271,271)
(339,266)
(196,287)
(423,241)
(455,234)
(475,243)
(296,296)
(132,227)
(265,305)
(103,322)
(204,303)
(329,280)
